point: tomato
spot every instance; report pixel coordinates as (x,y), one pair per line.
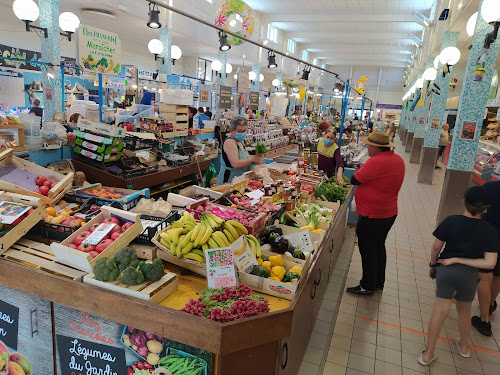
(93,227)
(116,228)
(80,238)
(101,246)
(47,183)
(115,235)
(40,180)
(127,225)
(113,220)
(87,248)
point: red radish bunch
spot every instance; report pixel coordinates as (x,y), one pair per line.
(245,202)
(226,213)
(112,236)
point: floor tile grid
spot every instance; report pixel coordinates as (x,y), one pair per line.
(360,346)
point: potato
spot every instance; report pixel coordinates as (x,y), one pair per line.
(154,346)
(153,359)
(126,340)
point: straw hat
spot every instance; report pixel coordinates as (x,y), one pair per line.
(379,139)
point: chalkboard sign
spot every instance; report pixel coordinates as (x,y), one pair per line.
(225,97)
(80,357)
(254,100)
(9,324)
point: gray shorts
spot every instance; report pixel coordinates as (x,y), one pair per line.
(457,281)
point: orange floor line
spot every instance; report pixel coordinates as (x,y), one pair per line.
(425,334)
(408,256)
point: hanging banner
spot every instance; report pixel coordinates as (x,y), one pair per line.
(254,100)
(243,84)
(32,58)
(225,97)
(100,50)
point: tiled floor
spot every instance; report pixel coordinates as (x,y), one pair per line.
(385,333)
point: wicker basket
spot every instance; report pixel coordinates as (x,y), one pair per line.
(65,166)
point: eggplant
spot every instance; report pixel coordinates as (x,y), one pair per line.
(276,229)
(280,245)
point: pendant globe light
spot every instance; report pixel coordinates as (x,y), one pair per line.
(261,77)
(216,65)
(175,53)
(490,11)
(26,10)
(252,75)
(471,24)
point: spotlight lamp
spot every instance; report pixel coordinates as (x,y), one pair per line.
(339,87)
(490,11)
(305,73)
(154,16)
(271,58)
(224,45)
(27,11)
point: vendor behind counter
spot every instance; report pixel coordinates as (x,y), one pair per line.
(235,158)
(329,158)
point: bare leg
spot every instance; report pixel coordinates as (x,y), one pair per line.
(464,316)
(484,295)
(495,289)
(439,313)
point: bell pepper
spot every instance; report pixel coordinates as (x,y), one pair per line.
(308,227)
(278,271)
(260,271)
(276,260)
(259,261)
(297,270)
(274,278)
(289,276)
(267,265)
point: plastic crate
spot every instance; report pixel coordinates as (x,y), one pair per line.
(123,169)
(133,197)
(186,355)
(135,143)
(149,232)
(57,232)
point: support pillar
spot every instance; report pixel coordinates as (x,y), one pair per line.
(166,39)
(51,53)
(221,79)
(255,83)
(415,116)
(436,118)
(471,109)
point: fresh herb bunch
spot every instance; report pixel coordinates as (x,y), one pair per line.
(260,148)
(346,179)
(331,192)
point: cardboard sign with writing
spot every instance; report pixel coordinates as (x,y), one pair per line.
(254,100)
(301,240)
(243,84)
(99,233)
(9,324)
(244,259)
(10,211)
(81,357)
(100,50)
(220,267)
(225,97)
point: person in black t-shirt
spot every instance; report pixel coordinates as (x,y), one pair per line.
(36,110)
(471,243)
(489,284)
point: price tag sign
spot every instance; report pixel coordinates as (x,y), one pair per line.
(220,267)
(10,211)
(243,255)
(9,324)
(80,357)
(97,235)
(301,240)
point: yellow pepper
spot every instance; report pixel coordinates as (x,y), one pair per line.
(267,266)
(296,269)
(317,230)
(278,271)
(308,227)
(276,260)
(259,261)
(274,278)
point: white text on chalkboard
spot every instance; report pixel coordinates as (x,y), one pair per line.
(85,353)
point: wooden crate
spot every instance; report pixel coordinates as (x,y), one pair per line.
(180,125)
(30,172)
(174,116)
(154,292)
(24,226)
(40,256)
(164,253)
(173,108)
(84,261)
(20,136)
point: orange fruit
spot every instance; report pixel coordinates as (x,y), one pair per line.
(51,211)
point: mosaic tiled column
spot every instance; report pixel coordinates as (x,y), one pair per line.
(166,39)
(413,119)
(51,53)
(423,111)
(471,111)
(436,118)
(279,77)
(255,83)
(221,78)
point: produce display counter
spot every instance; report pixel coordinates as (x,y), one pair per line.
(272,343)
(94,174)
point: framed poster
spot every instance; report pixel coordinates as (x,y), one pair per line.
(254,100)
(225,97)
(204,96)
(435,123)
(48,94)
(468,130)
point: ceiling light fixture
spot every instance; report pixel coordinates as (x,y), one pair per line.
(276,83)
(416,40)
(175,53)
(27,11)
(436,62)
(229,68)
(449,57)
(305,73)
(224,45)
(252,75)
(68,22)
(261,77)
(471,24)
(490,11)
(430,74)
(154,17)
(271,58)
(420,17)
(155,46)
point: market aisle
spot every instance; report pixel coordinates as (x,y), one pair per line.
(384,334)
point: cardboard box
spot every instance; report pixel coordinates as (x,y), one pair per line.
(99,139)
(100,128)
(101,156)
(84,261)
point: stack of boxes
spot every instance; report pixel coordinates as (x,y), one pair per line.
(177,115)
(98,141)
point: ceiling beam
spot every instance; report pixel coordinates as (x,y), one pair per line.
(356,62)
(348,35)
(339,17)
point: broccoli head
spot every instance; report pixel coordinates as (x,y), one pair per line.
(106,269)
(132,276)
(126,257)
(103,62)
(152,271)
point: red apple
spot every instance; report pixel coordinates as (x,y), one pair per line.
(67,221)
(93,227)
(101,246)
(44,190)
(127,225)
(115,235)
(40,180)
(113,220)
(87,248)
(80,238)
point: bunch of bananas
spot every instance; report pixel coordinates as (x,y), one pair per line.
(188,239)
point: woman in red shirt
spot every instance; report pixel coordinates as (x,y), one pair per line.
(329,158)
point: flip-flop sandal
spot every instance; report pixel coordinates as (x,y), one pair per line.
(423,363)
(465,355)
